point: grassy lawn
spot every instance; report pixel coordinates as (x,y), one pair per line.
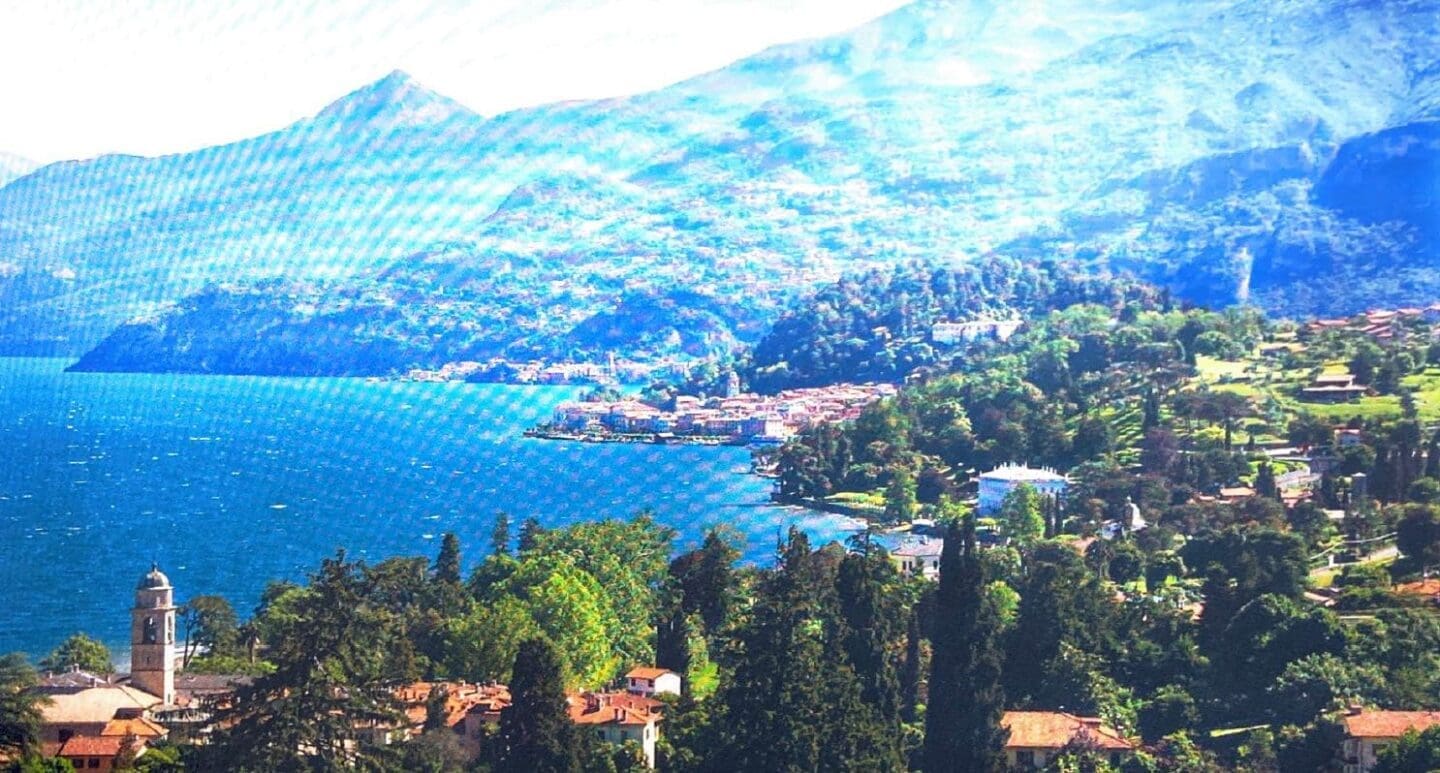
(865,500)
(1212,369)
(1268,381)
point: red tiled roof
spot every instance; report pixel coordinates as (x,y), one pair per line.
(92,746)
(1055,729)
(1389,724)
(613,708)
(647,672)
(136,726)
(461,699)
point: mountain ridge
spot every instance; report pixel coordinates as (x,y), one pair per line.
(1182,142)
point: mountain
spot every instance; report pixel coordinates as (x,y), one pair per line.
(1244,150)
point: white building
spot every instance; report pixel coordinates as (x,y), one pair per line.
(652,681)
(999,482)
(919,555)
(964,332)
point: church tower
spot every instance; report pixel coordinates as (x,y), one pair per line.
(152,636)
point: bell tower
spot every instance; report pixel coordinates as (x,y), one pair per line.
(152,636)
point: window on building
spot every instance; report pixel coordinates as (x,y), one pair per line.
(1025,758)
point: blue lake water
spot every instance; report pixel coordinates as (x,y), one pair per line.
(230,482)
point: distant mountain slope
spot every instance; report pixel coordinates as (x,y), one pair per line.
(1218,146)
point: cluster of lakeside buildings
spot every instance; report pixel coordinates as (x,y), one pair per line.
(508,372)
(744,418)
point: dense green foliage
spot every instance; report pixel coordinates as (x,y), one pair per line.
(962,722)
(20,707)
(535,732)
(79,652)
(877,327)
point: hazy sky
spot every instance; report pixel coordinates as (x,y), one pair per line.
(83,77)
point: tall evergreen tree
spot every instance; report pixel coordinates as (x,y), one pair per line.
(966,701)
(672,641)
(536,735)
(867,588)
(794,702)
(1265,482)
(910,675)
(1432,457)
(530,532)
(500,535)
(1151,415)
(706,579)
(447,563)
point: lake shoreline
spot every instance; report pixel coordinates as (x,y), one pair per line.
(195,471)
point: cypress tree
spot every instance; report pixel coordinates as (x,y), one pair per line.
(910,669)
(853,734)
(1151,416)
(447,564)
(866,587)
(966,702)
(535,731)
(530,531)
(500,535)
(1265,482)
(773,710)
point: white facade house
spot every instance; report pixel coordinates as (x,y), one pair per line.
(919,555)
(652,681)
(999,482)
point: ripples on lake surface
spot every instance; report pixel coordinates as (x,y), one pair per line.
(230,482)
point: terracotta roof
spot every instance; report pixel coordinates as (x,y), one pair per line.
(613,708)
(647,672)
(1055,729)
(461,699)
(1419,588)
(1388,724)
(140,727)
(96,704)
(92,746)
